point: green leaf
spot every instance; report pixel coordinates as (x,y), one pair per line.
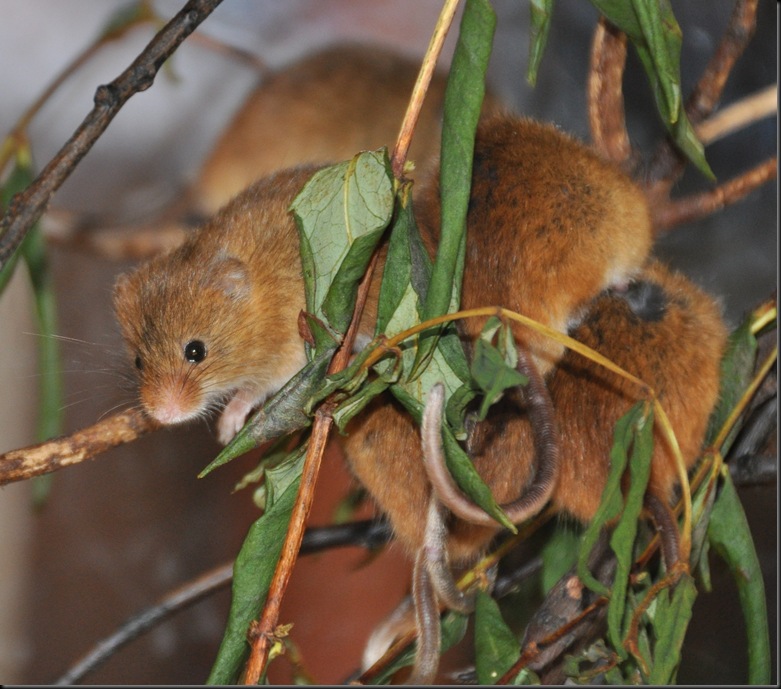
(623,538)
(541,11)
(254,567)
(463,101)
(407,269)
(656,36)
(469,481)
(496,648)
(281,415)
(33,251)
(612,500)
(559,554)
(493,368)
(730,537)
(671,619)
(737,366)
(341,213)
(453,627)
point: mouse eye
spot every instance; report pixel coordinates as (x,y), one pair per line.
(139,363)
(195,351)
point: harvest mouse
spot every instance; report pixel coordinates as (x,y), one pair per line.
(321,108)
(661,328)
(556,225)
(213,323)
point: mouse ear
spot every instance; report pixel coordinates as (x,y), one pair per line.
(232,277)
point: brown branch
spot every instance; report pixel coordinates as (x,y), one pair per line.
(739,115)
(605,93)
(261,633)
(696,206)
(27,206)
(18,465)
(400,150)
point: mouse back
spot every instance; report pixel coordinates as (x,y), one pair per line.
(670,334)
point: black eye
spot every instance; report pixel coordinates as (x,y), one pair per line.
(139,363)
(195,351)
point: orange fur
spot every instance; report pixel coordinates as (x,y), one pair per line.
(678,355)
(550,225)
(325,107)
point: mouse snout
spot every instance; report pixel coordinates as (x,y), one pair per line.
(172,401)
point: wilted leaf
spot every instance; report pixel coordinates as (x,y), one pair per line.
(341,213)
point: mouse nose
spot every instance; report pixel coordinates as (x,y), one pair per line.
(170,404)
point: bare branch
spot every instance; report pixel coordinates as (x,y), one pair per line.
(739,115)
(696,206)
(606,95)
(18,465)
(27,206)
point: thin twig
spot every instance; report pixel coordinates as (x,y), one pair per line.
(400,150)
(697,206)
(368,534)
(43,458)
(739,115)
(261,633)
(27,206)
(605,93)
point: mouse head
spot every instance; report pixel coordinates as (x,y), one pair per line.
(181,316)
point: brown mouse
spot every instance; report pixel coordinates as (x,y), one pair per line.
(668,333)
(661,328)
(557,225)
(550,225)
(213,323)
(322,108)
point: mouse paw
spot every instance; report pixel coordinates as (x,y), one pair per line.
(234,415)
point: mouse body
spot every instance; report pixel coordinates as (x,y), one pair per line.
(660,328)
(321,108)
(672,338)
(556,223)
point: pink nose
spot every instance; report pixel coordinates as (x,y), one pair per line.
(168,406)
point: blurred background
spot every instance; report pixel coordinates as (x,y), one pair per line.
(118,533)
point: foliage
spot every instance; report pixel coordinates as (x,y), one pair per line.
(343,214)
